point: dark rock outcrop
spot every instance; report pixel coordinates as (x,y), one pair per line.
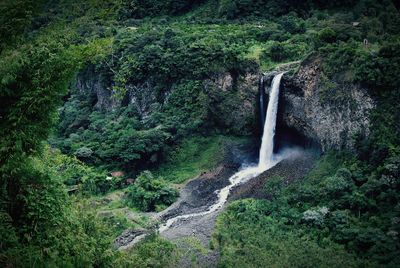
(129,238)
(233,105)
(98,84)
(307,107)
(231,97)
(234,101)
(292,168)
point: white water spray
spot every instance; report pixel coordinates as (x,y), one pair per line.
(266,159)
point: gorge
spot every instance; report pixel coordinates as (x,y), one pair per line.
(199,133)
(266,158)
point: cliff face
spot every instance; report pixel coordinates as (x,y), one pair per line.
(306,106)
(331,117)
(234,104)
(99,85)
(231,98)
(96,84)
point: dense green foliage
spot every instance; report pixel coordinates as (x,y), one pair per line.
(77,176)
(15,17)
(182,106)
(249,237)
(228,9)
(139,9)
(348,208)
(349,203)
(171,60)
(149,193)
(46,226)
(153,252)
(345,213)
(40,224)
(192,157)
(34,78)
(170,63)
(115,139)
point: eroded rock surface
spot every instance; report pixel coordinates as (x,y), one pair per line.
(311,109)
(231,99)
(129,237)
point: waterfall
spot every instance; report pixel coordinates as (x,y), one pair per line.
(267,145)
(266,159)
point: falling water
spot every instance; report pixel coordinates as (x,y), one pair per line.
(266,159)
(267,145)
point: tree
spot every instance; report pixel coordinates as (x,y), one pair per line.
(149,193)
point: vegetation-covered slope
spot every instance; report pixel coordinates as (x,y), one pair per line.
(175,46)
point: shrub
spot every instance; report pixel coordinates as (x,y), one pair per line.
(277,52)
(337,185)
(344,173)
(315,216)
(114,139)
(149,193)
(274,186)
(84,153)
(290,24)
(247,236)
(327,35)
(98,183)
(379,70)
(154,251)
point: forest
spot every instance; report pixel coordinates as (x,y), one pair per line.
(119,117)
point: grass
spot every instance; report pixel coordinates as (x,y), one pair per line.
(193,248)
(112,209)
(193,156)
(254,52)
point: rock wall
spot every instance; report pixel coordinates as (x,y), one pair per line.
(233,103)
(307,109)
(99,84)
(231,98)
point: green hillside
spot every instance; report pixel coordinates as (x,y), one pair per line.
(67,121)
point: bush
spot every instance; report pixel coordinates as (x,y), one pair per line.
(154,251)
(278,53)
(99,183)
(84,153)
(47,230)
(114,139)
(291,25)
(337,186)
(76,174)
(249,236)
(379,70)
(316,216)
(326,206)
(149,194)
(327,35)
(285,51)
(274,186)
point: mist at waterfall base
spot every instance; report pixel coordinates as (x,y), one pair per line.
(267,158)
